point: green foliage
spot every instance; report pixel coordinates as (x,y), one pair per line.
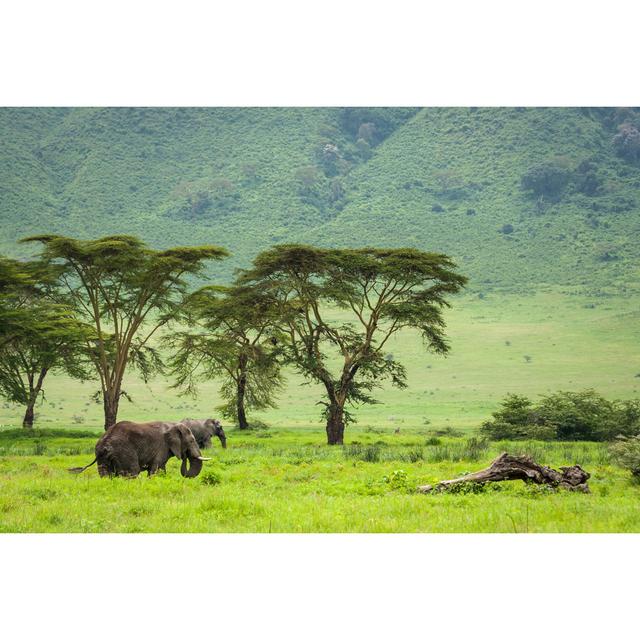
(626,452)
(565,415)
(383,290)
(46,336)
(126,291)
(473,488)
(548,179)
(398,481)
(364,453)
(210,478)
(233,336)
(174,176)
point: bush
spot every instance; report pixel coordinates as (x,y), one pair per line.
(211,478)
(626,453)
(566,415)
(397,480)
(506,431)
(548,179)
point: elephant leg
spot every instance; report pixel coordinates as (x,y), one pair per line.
(127,464)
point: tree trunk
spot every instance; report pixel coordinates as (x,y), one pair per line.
(34,392)
(110,409)
(508,467)
(242,416)
(27,423)
(335,423)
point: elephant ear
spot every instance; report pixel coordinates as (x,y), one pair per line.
(174,441)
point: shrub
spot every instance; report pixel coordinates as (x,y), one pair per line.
(548,179)
(211,478)
(437,208)
(626,453)
(566,415)
(507,431)
(397,480)
(506,229)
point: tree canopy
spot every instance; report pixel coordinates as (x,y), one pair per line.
(40,336)
(382,291)
(127,291)
(234,336)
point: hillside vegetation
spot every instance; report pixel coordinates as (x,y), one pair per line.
(522,198)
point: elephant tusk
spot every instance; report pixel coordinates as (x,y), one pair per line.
(201,458)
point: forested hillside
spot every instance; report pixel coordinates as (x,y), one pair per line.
(520,197)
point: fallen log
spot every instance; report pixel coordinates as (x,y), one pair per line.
(508,467)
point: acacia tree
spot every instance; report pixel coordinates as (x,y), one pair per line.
(56,340)
(126,291)
(381,290)
(44,335)
(235,338)
(14,281)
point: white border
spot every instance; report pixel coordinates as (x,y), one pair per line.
(292,53)
(319,586)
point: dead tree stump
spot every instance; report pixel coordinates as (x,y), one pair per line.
(508,467)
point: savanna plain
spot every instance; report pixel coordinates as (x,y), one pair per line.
(537,206)
(284,478)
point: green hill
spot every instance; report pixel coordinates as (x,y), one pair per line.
(442,179)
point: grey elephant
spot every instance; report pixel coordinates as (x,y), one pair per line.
(128,448)
(204,430)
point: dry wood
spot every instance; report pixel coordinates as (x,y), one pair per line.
(508,467)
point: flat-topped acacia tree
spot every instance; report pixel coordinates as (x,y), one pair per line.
(45,336)
(233,336)
(126,291)
(383,291)
(14,281)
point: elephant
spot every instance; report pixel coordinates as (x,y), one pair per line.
(203,430)
(128,448)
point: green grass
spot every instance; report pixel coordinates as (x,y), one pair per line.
(291,482)
(286,479)
(573,342)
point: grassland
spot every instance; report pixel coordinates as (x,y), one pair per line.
(499,344)
(286,479)
(553,304)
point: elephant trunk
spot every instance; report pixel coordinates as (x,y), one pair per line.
(223,440)
(195,467)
